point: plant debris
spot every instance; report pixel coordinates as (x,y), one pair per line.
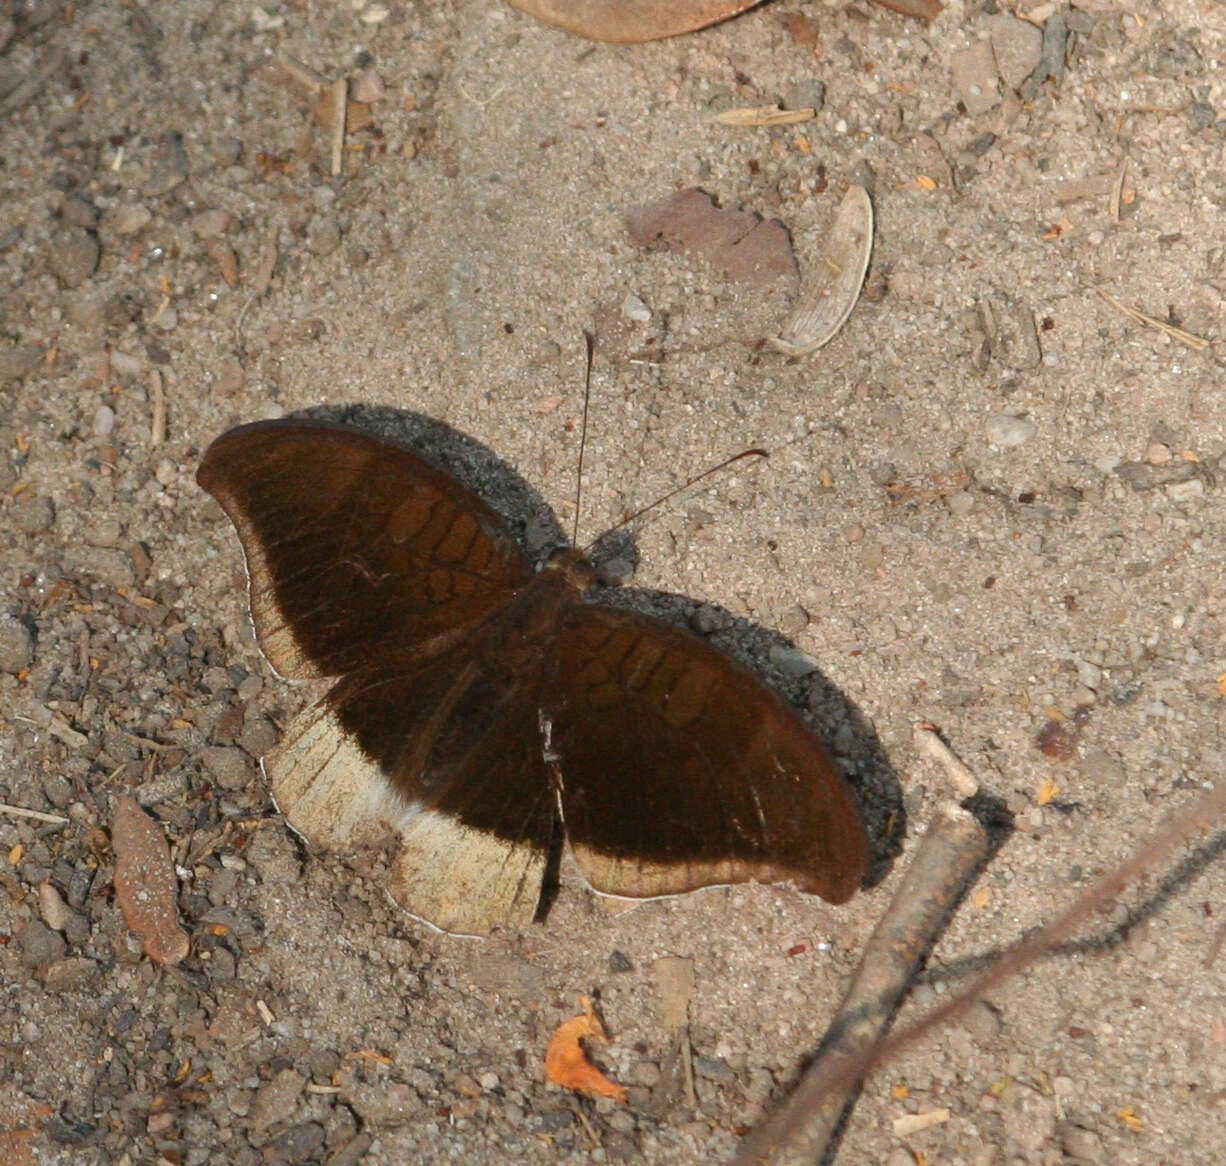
(750,249)
(566,1062)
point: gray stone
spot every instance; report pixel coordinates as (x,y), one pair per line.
(385,1105)
(111,567)
(212,223)
(19,361)
(975,78)
(272,854)
(324,236)
(1029,1117)
(1080,1143)
(792,663)
(39,944)
(275,1101)
(32,513)
(1016,44)
(127,220)
(1101,768)
(227,765)
(16,644)
(170,166)
(77,212)
(74,256)
(1006,431)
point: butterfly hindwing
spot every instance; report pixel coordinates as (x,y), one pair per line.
(679,769)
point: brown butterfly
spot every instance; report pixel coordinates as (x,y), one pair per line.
(474,705)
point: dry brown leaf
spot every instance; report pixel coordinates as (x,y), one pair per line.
(749,249)
(145,883)
(566,1063)
(631,21)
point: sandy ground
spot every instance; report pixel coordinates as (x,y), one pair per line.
(993,503)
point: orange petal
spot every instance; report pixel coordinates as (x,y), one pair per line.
(566,1063)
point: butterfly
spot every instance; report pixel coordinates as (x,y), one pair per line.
(476,707)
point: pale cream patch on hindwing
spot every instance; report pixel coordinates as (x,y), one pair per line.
(461,880)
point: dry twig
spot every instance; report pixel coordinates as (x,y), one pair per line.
(1193,341)
(830,1079)
(33,815)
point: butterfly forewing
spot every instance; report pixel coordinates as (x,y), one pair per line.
(679,769)
(354,545)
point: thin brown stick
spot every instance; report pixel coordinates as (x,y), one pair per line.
(157,422)
(310,80)
(825,1076)
(340,108)
(1198,343)
(33,815)
(953,849)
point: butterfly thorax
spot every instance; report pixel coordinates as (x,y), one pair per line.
(574,565)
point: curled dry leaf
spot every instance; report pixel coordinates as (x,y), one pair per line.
(145,883)
(834,286)
(631,21)
(566,1063)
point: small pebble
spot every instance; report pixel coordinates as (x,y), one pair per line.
(51,907)
(1029,1117)
(209,224)
(1006,431)
(74,256)
(368,87)
(1016,45)
(103,531)
(19,362)
(104,421)
(16,644)
(634,309)
(128,220)
(145,883)
(228,151)
(1201,115)
(324,236)
(170,166)
(39,944)
(960,503)
(1158,454)
(619,962)
(1081,1144)
(105,564)
(70,972)
(77,212)
(275,1101)
(792,662)
(32,513)
(297,1144)
(975,78)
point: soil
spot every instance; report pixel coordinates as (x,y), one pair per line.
(993,502)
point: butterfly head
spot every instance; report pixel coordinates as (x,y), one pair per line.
(573,564)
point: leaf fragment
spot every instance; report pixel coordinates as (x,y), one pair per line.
(566,1063)
(145,883)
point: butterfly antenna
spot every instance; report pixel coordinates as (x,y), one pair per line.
(674,492)
(587,396)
